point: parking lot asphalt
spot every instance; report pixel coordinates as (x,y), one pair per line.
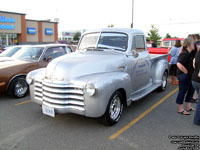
(146,125)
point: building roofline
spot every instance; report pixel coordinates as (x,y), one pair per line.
(12,13)
(41,21)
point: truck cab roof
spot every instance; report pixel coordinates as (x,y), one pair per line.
(122,30)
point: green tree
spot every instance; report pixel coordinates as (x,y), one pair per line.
(76,36)
(153,34)
(168,36)
(111,26)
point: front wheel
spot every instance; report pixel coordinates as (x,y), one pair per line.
(18,87)
(114,109)
(164,82)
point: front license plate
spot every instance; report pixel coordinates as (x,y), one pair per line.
(48,111)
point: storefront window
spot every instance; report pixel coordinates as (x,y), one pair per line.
(9,39)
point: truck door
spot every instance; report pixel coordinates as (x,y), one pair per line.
(141,63)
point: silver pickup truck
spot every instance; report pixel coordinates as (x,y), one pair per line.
(110,69)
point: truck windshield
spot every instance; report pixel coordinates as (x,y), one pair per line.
(104,40)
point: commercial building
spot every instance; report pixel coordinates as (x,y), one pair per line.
(68,35)
(16,29)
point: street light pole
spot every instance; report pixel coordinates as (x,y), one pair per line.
(132,13)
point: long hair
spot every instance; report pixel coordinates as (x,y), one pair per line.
(187,42)
(177,43)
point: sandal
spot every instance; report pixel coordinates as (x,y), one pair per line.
(174,83)
(183,113)
(191,109)
(194,100)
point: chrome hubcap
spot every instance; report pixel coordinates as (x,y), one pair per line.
(20,87)
(115,108)
(164,81)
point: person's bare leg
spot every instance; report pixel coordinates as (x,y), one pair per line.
(176,79)
(195,96)
(181,109)
(172,79)
(189,107)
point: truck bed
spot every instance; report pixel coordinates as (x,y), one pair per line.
(155,57)
(159,51)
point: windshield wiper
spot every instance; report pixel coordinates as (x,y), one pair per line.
(112,48)
(101,47)
(119,49)
(92,48)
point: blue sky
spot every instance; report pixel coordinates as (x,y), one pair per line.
(177,17)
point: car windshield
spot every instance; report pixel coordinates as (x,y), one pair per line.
(167,44)
(29,53)
(10,51)
(104,40)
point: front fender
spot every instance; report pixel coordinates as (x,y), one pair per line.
(35,75)
(158,69)
(106,84)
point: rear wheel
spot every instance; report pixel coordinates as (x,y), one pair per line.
(114,109)
(164,82)
(18,87)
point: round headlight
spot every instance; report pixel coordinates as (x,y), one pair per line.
(29,79)
(90,89)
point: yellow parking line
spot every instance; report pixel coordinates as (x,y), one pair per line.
(130,124)
(24,102)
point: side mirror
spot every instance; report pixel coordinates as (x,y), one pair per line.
(135,54)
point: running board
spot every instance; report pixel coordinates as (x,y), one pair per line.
(142,93)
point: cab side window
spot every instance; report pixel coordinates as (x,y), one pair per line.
(54,52)
(138,43)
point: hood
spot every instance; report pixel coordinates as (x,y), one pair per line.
(84,63)
(6,62)
(2,59)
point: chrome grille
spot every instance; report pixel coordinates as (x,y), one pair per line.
(60,95)
(38,90)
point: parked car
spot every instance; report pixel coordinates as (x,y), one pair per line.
(2,48)
(13,71)
(9,52)
(110,68)
(70,48)
(164,46)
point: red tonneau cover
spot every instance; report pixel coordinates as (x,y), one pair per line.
(163,50)
(159,51)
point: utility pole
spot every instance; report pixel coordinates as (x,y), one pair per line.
(132,13)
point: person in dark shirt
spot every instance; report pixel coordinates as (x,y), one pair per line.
(185,72)
(153,44)
(193,54)
(196,44)
(196,85)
